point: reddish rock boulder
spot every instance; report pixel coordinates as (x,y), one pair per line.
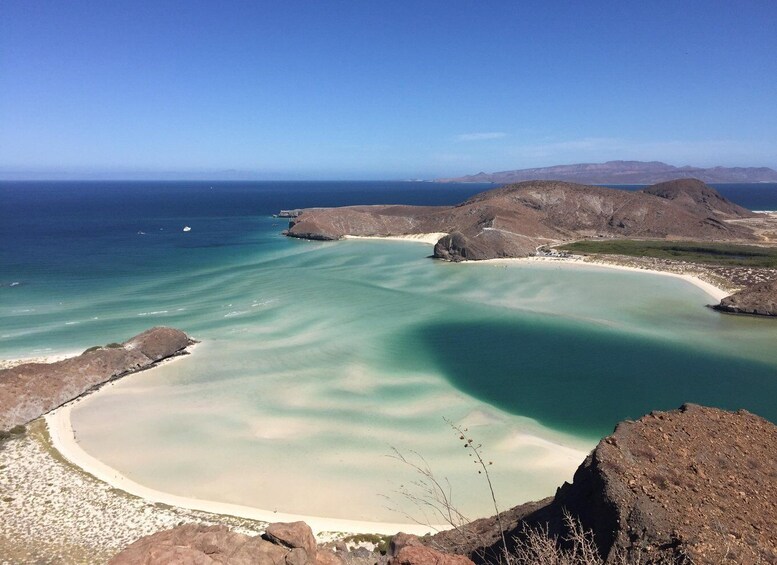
(420,555)
(196,544)
(293,535)
(400,541)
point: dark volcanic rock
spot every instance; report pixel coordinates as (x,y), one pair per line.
(488,244)
(514,220)
(694,485)
(30,390)
(759,299)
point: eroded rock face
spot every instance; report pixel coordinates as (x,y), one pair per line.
(759,299)
(198,544)
(31,390)
(694,485)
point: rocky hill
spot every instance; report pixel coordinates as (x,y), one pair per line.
(514,220)
(33,389)
(625,172)
(694,485)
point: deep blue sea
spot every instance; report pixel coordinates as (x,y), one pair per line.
(322,356)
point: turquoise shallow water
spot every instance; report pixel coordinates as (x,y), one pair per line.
(318,358)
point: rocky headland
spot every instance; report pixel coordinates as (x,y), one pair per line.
(513,221)
(30,390)
(759,299)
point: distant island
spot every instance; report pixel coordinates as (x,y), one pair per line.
(624,172)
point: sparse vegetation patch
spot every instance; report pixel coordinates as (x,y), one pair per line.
(695,252)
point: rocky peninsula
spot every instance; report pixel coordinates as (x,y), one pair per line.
(513,221)
(30,390)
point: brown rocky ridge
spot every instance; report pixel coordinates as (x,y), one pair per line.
(694,485)
(33,389)
(625,172)
(513,221)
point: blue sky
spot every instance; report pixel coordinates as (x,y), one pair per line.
(381,89)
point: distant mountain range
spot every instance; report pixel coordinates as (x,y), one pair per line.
(625,172)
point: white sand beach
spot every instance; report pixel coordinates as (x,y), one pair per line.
(713,291)
(64,439)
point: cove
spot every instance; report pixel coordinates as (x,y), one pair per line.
(582,379)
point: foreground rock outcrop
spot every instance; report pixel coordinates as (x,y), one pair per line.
(283,544)
(514,220)
(694,485)
(33,389)
(759,299)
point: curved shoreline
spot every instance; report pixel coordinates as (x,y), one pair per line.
(63,439)
(712,290)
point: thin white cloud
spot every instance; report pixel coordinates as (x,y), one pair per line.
(481,136)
